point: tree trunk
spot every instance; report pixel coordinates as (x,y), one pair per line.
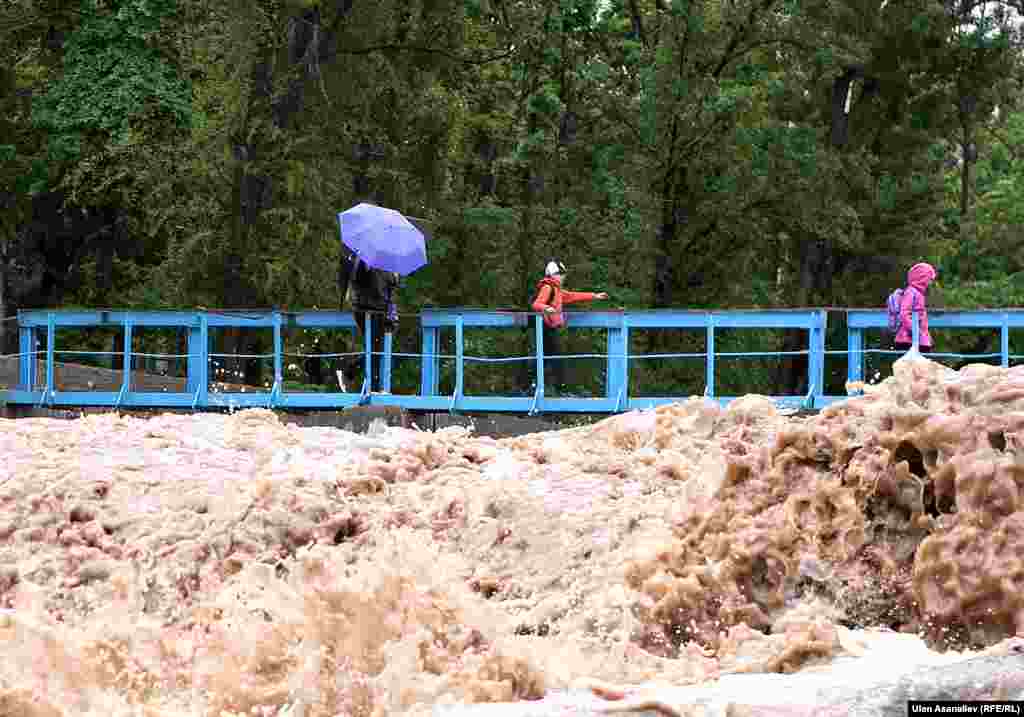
(665,277)
(965,180)
(237,293)
(813,283)
(3,299)
(309,45)
(182,343)
(664,272)
(527,269)
(816,255)
(117,353)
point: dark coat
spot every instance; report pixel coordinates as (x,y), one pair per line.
(369,287)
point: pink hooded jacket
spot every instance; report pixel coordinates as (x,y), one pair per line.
(918,279)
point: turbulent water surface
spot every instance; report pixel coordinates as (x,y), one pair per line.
(229,564)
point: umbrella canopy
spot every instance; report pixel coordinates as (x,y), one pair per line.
(383,238)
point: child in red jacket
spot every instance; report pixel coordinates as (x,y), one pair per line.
(550,299)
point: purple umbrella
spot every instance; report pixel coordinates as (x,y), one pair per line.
(383,238)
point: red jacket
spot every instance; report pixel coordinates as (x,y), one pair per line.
(550,293)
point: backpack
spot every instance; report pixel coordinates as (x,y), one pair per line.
(892,306)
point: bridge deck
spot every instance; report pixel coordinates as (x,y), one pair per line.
(194,389)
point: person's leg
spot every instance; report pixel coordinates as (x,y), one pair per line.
(378,349)
(350,365)
(906,346)
(554,374)
(562,367)
(314,368)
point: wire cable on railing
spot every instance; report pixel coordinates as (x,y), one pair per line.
(408,355)
(137,353)
(937,354)
(654,356)
(579,356)
(234,314)
(88,353)
(341,355)
(251,356)
(510,359)
(900,352)
(760,354)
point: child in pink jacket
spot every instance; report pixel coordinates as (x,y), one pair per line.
(919,277)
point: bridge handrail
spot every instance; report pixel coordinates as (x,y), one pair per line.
(617,323)
(858,320)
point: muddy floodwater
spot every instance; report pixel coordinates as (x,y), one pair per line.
(230,565)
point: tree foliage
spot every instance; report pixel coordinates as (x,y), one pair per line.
(160,153)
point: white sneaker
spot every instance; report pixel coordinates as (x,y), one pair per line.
(341,381)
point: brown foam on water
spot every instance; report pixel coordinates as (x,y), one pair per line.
(221,565)
(904,506)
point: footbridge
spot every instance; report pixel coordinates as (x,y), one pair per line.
(440,342)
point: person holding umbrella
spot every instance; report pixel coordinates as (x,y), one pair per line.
(371,294)
(378,246)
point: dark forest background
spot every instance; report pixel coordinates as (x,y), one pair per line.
(676,153)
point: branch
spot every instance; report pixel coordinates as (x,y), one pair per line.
(692,144)
(429,51)
(741,32)
(504,14)
(1003,141)
(703,233)
(769,43)
(621,118)
(638,22)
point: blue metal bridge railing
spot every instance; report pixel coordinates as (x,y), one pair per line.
(858,321)
(617,325)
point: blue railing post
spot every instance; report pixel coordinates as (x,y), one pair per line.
(27,360)
(538,340)
(709,378)
(816,357)
(367,356)
(199,360)
(51,338)
(385,363)
(278,360)
(430,368)
(538,332)
(459,353)
(854,355)
(617,369)
(126,378)
(1004,341)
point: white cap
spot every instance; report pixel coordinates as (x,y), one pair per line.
(554,267)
